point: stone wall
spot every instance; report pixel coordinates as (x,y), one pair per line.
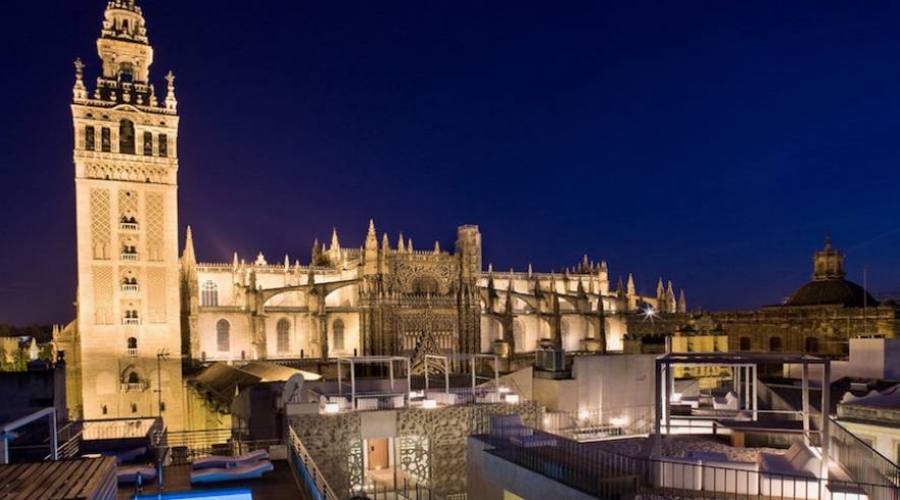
(431,444)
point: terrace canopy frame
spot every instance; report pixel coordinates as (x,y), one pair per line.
(370,361)
(7,432)
(745,366)
(444,361)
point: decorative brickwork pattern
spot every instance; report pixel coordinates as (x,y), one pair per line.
(103,295)
(156,214)
(101,234)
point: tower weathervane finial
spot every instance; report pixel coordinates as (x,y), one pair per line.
(79,91)
(171,101)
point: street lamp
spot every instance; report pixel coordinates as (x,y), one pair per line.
(161,355)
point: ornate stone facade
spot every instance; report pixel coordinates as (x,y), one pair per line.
(126,165)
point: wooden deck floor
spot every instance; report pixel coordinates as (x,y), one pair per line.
(276,485)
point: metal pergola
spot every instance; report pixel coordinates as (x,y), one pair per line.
(369,361)
(745,367)
(444,360)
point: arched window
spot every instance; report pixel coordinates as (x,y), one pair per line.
(148,143)
(132,346)
(105,140)
(812,344)
(126,69)
(745,344)
(338,329)
(126,137)
(133,378)
(223,335)
(284,335)
(89,138)
(775,344)
(163,145)
(209,296)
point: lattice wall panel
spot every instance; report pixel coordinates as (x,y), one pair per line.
(128,203)
(101,231)
(156,295)
(103,295)
(156,216)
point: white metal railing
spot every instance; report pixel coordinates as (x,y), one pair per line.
(135,386)
(128,226)
(305,465)
(131,288)
(131,321)
(130,256)
(132,352)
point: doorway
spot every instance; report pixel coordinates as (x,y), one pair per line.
(379,457)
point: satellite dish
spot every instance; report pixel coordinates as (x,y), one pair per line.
(292,387)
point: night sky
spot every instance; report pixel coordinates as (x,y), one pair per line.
(714,143)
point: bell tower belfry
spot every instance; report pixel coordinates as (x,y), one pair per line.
(126,179)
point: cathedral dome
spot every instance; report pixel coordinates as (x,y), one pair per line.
(832,292)
(829,286)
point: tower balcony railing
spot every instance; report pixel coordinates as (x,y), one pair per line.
(131,288)
(130,256)
(129,226)
(135,386)
(132,352)
(131,321)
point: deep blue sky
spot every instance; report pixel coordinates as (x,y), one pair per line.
(714,143)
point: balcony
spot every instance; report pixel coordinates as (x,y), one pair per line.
(131,321)
(129,226)
(132,256)
(131,288)
(135,386)
(132,352)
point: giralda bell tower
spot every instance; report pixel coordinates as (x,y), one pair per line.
(126,173)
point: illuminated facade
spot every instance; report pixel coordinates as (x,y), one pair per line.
(126,166)
(137,297)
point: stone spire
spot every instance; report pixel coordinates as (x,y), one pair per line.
(385,243)
(603,278)
(671,304)
(401,245)
(437,247)
(682,303)
(370,251)
(409,246)
(335,243)
(235,263)
(79,91)
(287,263)
(188,257)
(660,296)
(171,101)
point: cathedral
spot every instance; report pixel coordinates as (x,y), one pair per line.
(144,311)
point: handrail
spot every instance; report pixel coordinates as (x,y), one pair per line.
(314,478)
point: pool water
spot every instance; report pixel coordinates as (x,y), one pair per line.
(235,494)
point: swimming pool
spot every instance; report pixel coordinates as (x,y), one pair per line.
(235,494)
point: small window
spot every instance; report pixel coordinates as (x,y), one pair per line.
(104,409)
(105,140)
(284,335)
(812,344)
(223,335)
(126,137)
(148,144)
(132,343)
(89,138)
(133,378)
(338,328)
(775,344)
(133,408)
(745,344)
(162,406)
(163,145)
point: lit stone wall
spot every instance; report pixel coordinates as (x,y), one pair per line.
(335,442)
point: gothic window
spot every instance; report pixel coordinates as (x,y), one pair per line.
(223,335)
(163,145)
(105,140)
(89,138)
(126,137)
(338,329)
(209,296)
(284,335)
(133,378)
(148,144)
(132,346)
(775,344)
(745,344)
(812,344)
